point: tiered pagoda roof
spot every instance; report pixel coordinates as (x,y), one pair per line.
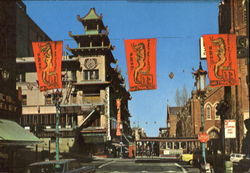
(95,41)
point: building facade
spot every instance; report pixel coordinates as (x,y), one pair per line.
(91,86)
(27,31)
(9,104)
(13,137)
(172,120)
(233,19)
(212,121)
(188,117)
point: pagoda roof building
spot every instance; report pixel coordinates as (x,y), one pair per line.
(95,41)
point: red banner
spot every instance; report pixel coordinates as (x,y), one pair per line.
(118,121)
(221,59)
(48,59)
(141,63)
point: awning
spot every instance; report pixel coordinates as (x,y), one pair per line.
(12,133)
(94,138)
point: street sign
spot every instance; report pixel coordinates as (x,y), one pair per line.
(203,137)
(230,129)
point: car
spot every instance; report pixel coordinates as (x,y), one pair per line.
(236,157)
(187,158)
(245,164)
(59,166)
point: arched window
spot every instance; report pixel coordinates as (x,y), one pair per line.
(208,112)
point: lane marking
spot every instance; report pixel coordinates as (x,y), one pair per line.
(183,169)
(105,164)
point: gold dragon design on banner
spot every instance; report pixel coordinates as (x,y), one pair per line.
(221,54)
(141,59)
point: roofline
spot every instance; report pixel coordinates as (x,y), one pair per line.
(82,18)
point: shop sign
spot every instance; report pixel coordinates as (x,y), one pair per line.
(230,128)
(202,50)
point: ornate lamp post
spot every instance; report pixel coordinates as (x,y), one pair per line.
(200,82)
(57,95)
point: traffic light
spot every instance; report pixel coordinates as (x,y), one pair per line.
(222,108)
(218,109)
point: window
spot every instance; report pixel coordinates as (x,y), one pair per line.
(91,74)
(95,122)
(74,96)
(48,99)
(73,75)
(21,77)
(24,99)
(24,120)
(217,117)
(46,118)
(208,112)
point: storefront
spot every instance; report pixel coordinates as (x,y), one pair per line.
(13,139)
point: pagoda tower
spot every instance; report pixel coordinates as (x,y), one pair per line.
(97,88)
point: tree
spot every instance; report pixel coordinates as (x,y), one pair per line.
(177,98)
(181,99)
(184,96)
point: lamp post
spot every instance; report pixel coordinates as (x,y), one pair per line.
(57,95)
(200,82)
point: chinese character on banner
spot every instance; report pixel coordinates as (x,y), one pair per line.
(221,59)
(141,63)
(48,59)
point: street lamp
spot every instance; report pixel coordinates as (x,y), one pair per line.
(200,82)
(57,99)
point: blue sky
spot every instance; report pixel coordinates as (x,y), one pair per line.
(177,25)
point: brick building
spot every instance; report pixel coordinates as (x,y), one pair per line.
(212,122)
(172,120)
(233,19)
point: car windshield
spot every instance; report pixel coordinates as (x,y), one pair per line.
(46,168)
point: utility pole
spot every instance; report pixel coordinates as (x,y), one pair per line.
(222,109)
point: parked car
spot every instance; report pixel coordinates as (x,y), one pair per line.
(235,157)
(61,166)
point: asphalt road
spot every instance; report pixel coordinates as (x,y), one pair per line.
(130,166)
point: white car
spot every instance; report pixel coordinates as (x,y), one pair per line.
(60,166)
(235,157)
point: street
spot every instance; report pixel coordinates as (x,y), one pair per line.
(129,165)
